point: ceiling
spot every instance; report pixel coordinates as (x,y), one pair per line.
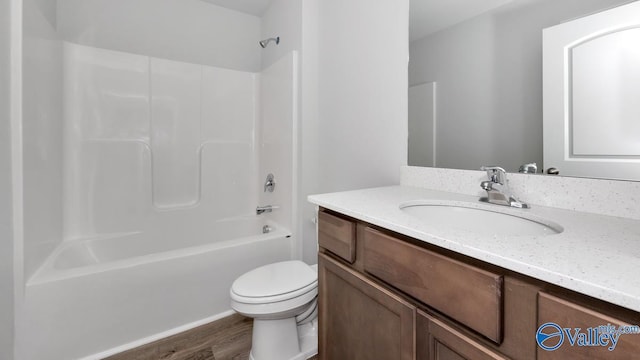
(429,16)
(253,7)
(426,16)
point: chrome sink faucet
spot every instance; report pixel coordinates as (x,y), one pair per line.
(497,188)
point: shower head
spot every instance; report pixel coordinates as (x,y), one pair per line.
(266,42)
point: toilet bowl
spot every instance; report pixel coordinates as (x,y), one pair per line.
(282,300)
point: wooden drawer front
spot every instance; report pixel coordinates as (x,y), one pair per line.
(467,294)
(337,235)
(437,340)
(570,315)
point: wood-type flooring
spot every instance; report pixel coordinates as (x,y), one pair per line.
(226,339)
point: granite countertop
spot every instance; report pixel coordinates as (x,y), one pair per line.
(595,255)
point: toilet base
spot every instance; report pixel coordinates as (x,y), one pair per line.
(281,347)
(308,338)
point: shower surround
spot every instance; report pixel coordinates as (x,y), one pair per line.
(164,163)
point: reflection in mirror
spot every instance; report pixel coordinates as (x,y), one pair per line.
(591,91)
(488,98)
(422,126)
(606,92)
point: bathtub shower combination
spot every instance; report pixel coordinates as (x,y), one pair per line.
(164,164)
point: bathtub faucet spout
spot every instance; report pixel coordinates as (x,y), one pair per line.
(266,208)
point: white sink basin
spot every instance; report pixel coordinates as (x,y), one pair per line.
(479,218)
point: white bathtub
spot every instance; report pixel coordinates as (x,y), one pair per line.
(99,296)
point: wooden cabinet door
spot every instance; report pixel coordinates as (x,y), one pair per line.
(437,340)
(360,320)
(583,323)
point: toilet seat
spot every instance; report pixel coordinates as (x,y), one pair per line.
(275,283)
(276,298)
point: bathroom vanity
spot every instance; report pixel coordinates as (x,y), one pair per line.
(394,286)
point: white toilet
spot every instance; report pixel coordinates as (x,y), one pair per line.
(282,300)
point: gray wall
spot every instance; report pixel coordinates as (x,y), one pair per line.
(362,92)
(489,75)
(6,238)
(283,18)
(353,132)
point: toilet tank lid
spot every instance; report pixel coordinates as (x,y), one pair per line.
(275,279)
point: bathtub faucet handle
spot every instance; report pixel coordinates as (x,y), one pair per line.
(270,183)
(266,208)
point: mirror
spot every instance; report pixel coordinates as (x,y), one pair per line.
(476,85)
